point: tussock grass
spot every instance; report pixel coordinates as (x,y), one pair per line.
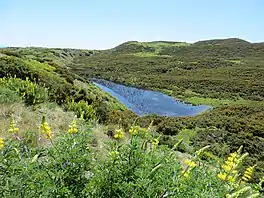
(29,119)
(101,138)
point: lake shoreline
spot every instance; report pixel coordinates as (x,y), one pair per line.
(147,102)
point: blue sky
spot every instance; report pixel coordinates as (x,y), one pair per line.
(101,24)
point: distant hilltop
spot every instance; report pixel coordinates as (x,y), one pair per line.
(233,47)
(230,41)
(161,44)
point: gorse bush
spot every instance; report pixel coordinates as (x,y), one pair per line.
(28,91)
(134,165)
(82,109)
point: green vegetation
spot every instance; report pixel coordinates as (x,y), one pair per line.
(227,74)
(55,82)
(220,102)
(51,87)
(69,165)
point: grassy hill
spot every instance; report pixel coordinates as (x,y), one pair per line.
(230,69)
(111,142)
(225,48)
(227,74)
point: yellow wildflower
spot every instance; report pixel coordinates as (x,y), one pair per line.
(222,176)
(190,163)
(155,142)
(230,163)
(45,128)
(12,127)
(1,143)
(248,174)
(114,154)
(231,179)
(73,128)
(225,177)
(227,167)
(234,155)
(234,172)
(190,166)
(202,150)
(133,130)
(185,173)
(119,134)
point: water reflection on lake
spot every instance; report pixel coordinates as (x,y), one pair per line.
(144,102)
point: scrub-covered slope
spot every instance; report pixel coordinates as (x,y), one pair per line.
(49,69)
(51,144)
(227,74)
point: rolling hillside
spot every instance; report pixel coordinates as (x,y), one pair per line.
(226,74)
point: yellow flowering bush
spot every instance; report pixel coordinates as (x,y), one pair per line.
(155,142)
(119,134)
(13,129)
(133,130)
(230,174)
(73,128)
(137,130)
(29,91)
(45,128)
(190,165)
(83,109)
(229,171)
(248,173)
(1,143)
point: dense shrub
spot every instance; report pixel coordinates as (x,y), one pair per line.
(30,92)
(56,171)
(82,109)
(8,96)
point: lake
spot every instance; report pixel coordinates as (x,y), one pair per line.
(145,102)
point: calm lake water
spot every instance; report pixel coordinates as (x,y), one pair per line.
(145,102)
